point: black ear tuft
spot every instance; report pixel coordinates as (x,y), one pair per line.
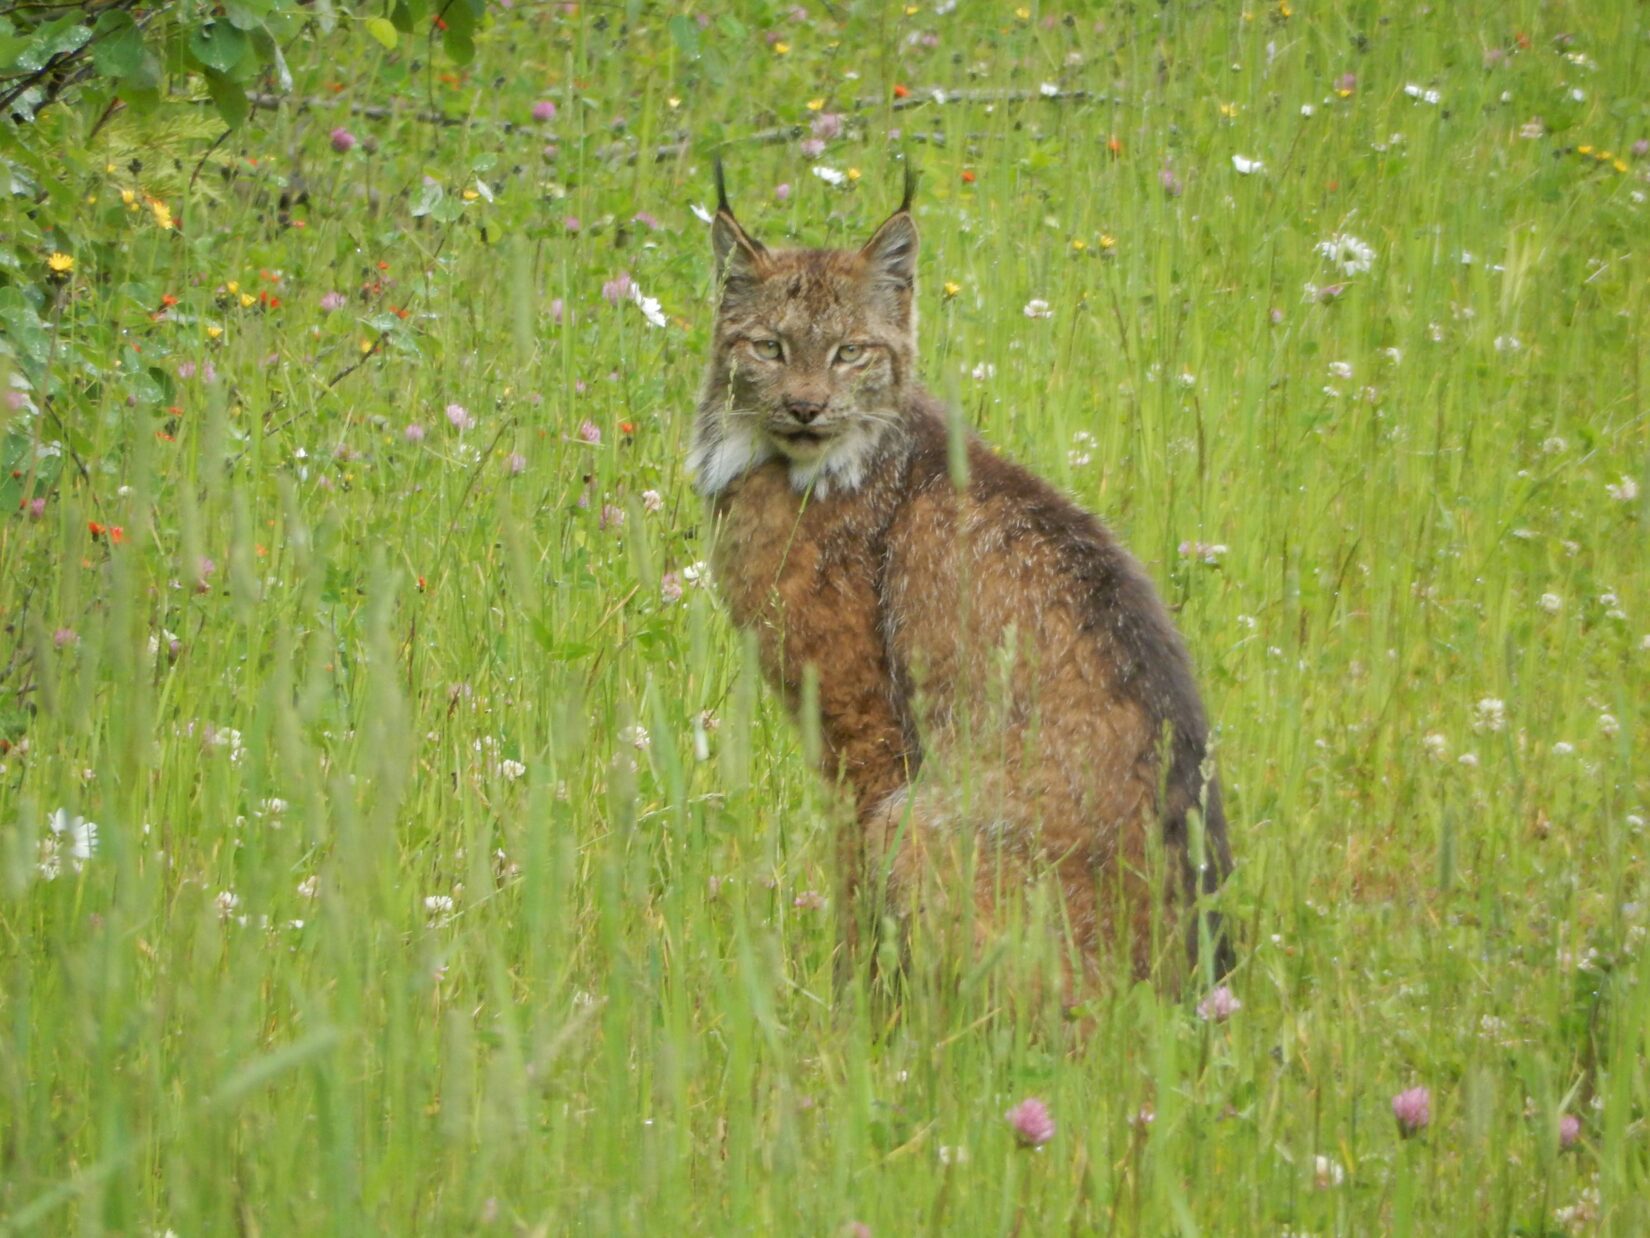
(739,256)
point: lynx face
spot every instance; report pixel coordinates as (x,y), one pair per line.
(812,353)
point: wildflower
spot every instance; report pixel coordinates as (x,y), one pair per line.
(1246,166)
(782,191)
(1346,84)
(511,769)
(829,175)
(1435,745)
(636,736)
(1490,714)
(1424,94)
(1608,724)
(1413,1110)
(1340,369)
(438,904)
(981,372)
(652,501)
(611,517)
(590,432)
(1569,1131)
(79,834)
(571,223)
(1551,603)
(1207,552)
(543,111)
(649,306)
(1508,343)
(1221,1004)
(1347,252)
(1049,90)
(809,900)
(226,902)
(1624,491)
(36,508)
(459,417)
(951,288)
(60,264)
(670,588)
(1033,1124)
(618,288)
(1229,110)
(558,310)
(781,48)
(648,220)
(162,213)
(1170,182)
(414,433)
(515,464)
(1038,308)
(827,125)
(1563,748)
(696,573)
(343,141)
(1327,1172)
(309,887)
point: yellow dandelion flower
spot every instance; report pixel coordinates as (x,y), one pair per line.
(1584,150)
(366,346)
(1228,110)
(1079,244)
(128,197)
(1343,92)
(162,212)
(470,195)
(60,263)
(232,287)
(248,300)
(816,105)
(1604,156)
(213,333)
(1023,13)
(952,288)
(1283,8)
(853,174)
(911,10)
(1108,241)
(781,49)
(1620,165)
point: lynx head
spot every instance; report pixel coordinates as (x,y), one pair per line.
(812,354)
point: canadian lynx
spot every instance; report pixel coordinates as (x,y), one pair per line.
(998,684)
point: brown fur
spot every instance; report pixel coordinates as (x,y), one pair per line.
(999,686)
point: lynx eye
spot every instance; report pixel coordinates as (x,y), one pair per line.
(768,350)
(850,353)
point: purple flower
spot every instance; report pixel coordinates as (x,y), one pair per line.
(333,301)
(515,464)
(571,223)
(1221,1004)
(413,433)
(1640,148)
(782,191)
(590,432)
(209,372)
(36,508)
(343,141)
(186,370)
(1275,315)
(812,148)
(618,288)
(1169,181)
(460,417)
(64,637)
(612,517)
(809,900)
(648,220)
(1569,1131)
(1033,1124)
(828,125)
(557,309)
(1413,1110)
(1346,83)
(544,110)
(670,588)
(551,150)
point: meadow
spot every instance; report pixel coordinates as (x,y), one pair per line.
(395,837)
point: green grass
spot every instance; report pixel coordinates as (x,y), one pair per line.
(626,1020)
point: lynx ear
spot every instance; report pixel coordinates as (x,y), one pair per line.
(739,256)
(891,254)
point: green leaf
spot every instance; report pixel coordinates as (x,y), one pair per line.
(406,15)
(247,14)
(118,51)
(383,29)
(230,98)
(429,197)
(685,32)
(459,46)
(218,45)
(54,38)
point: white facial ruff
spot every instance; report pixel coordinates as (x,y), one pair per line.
(716,462)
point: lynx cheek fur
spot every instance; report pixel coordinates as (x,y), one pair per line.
(998,684)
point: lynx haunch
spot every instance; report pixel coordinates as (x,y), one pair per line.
(998,684)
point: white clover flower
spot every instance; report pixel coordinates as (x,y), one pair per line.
(1508,343)
(1624,491)
(636,736)
(1246,166)
(981,372)
(1347,252)
(511,770)
(309,887)
(1340,369)
(1551,603)
(1424,94)
(829,175)
(1563,748)
(696,573)
(1469,759)
(1607,723)
(1327,1173)
(1437,747)
(1038,308)
(226,902)
(1490,714)
(652,501)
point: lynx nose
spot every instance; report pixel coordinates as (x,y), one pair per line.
(804,410)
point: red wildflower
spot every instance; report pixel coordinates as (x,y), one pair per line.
(901,91)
